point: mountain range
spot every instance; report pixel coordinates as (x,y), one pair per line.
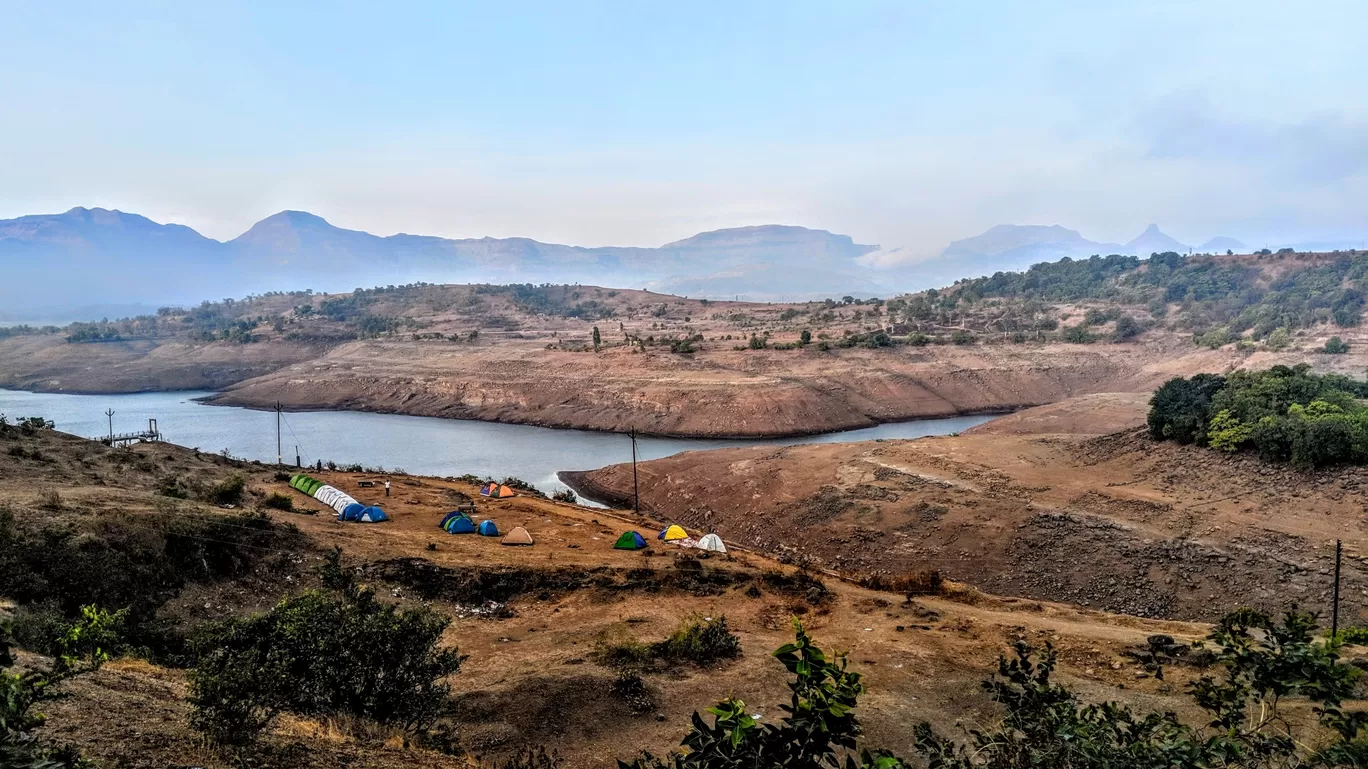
(89,262)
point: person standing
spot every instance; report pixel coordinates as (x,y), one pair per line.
(387,488)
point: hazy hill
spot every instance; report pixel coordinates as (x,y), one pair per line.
(59,263)
(1154,241)
(1222,243)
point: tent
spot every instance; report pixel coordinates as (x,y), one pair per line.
(372,515)
(496,490)
(460,525)
(712,543)
(488,529)
(630,540)
(518,536)
(447,518)
(358,513)
(672,532)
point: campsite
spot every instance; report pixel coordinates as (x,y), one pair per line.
(531,619)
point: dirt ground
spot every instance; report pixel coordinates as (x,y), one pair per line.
(1115,521)
(530,678)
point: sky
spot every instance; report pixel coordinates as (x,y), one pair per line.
(906,124)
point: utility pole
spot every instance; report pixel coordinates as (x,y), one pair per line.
(279,453)
(1334,610)
(110,413)
(636,490)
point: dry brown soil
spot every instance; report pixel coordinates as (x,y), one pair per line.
(530,678)
(1117,521)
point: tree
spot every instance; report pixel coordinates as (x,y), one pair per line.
(805,338)
(1181,408)
(597,339)
(1336,346)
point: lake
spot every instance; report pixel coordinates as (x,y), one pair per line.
(422,445)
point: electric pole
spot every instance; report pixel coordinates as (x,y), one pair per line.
(279,454)
(636,490)
(110,413)
(1334,610)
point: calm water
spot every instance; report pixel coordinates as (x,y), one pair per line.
(423,445)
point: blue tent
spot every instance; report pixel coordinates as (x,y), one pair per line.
(630,540)
(448,518)
(351,512)
(488,529)
(373,515)
(460,525)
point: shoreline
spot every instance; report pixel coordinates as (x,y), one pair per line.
(211,400)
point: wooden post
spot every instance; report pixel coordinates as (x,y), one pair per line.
(110,413)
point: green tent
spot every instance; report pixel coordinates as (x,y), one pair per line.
(630,540)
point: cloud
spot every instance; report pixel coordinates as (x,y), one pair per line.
(1323,148)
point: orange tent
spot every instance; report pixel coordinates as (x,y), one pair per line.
(496,490)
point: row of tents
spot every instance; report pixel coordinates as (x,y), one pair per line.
(460,523)
(675,535)
(348,509)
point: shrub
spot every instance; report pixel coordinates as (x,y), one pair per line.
(228,491)
(700,641)
(756,342)
(1226,433)
(565,495)
(1077,335)
(1265,664)
(1335,346)
(961,337)
(805,338)
(918,339)
(278,501)
(1127,327)
(320,654)
(82,648)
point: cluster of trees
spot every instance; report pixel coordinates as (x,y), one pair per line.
(1263,666)
(1213,292)
(548,299)
(1283,413)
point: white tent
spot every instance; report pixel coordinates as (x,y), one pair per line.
(712,543)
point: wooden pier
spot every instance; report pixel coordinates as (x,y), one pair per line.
(150,435)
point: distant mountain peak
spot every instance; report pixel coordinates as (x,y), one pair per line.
(1154,241)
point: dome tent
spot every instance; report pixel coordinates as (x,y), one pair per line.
(497,490)
(518,536)
(711,543)
(372,515)
(461,525)
(351,512)
(488,529)
(630,540)
(672,533)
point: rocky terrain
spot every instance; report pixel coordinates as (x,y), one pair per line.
(1045,505)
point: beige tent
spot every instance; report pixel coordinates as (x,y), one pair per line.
(518,536)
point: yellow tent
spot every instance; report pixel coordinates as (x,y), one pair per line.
(674,532)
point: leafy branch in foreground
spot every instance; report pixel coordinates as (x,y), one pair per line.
(84,648)
(1263,664)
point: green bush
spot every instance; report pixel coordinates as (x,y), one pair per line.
(1264,665)
(961,337)
(1127,327)
(228,491)
(1077,335)
(700,641)
(278,501)
(321,653)
(1335,346)
(82,647)
(1181,408)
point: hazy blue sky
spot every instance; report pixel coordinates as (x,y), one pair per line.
(905,124)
